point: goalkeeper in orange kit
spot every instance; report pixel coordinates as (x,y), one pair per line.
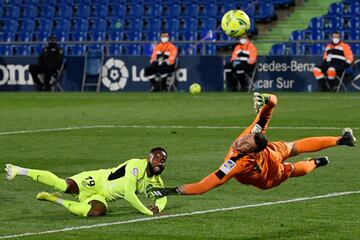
(252,160)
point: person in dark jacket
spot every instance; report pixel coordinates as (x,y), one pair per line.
(49,63)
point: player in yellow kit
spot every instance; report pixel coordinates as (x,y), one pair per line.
(95,189)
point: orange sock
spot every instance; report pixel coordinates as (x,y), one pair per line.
(314,144)
(303,167)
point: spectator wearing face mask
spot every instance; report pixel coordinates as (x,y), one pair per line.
(162,62)
(49,62)
(242,62)
(337,57)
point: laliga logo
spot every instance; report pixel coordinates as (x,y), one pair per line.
(114,74)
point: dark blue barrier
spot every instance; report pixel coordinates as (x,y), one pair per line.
(126,73)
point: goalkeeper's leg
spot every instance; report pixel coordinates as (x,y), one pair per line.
(41,176)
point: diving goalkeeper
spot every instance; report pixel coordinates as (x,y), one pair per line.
(96,188)
(253,161)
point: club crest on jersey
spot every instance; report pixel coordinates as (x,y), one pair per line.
(227,166)
(135,171)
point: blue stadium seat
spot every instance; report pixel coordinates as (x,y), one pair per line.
(100,11)
(9,25)
(317,49)
(207,23)
(63,11)
(152,24)
(210,10)
(5,50)
(115,49)
(188,36)
(95,36)
(131,36)
(133,24)
(150,36)
(97,24)
(355,47)
(46,11)
(264,12)
(114,24)
(43,25)
(7,36)
(297,35)
(314,35)
(81,11)
(147,49)
(333,23)
(41,36)
(26,25)
(316,23)
(277,49)
(61,24)
(61,36)
(20,50)
(171,24)
(131,49)
(355,34)
(210,49)
(335,9)
(11,11)
(173,35)
(79,24)
(28,11)
(78,36)
(35,50)
(355,23)
(189,10)
(351,7)
(75,50)
(23,37)
(114,36)
(171,10)
(152,10)
(1,12)
(188,24)
(50,2)
(116,10)
(134,10)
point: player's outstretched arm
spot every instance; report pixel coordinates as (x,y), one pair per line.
(206,184)
(263,106)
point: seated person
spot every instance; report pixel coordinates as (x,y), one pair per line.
(337,57)
(49,62)
(162,63)
(242,62)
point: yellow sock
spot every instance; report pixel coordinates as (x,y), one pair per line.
(47,178)
(79,208)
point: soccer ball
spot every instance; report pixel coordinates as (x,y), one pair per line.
(195,88)
(235,23)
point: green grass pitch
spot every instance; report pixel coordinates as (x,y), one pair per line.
(176,121)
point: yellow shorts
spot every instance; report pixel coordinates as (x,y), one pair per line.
(90,187)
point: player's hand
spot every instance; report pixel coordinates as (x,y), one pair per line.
(153,193)
(154,209)
(260,100)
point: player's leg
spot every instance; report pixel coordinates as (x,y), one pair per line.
(93,206)
(35,70)
(320,77)
(302,168)
(45,177)
(150,74)
(314,144)
(165,69)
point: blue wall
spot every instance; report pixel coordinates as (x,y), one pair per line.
(126,73)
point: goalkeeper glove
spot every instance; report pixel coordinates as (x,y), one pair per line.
(154,193)
(260,100)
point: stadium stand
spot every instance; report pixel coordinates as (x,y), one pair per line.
(341,16)
(25,24)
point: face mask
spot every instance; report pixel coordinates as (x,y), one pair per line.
(336,40)
(243,40)
(164,39)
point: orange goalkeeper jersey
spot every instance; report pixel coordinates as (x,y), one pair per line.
(265,169)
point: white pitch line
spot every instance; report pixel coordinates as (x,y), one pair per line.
(164,126)
(146,219)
